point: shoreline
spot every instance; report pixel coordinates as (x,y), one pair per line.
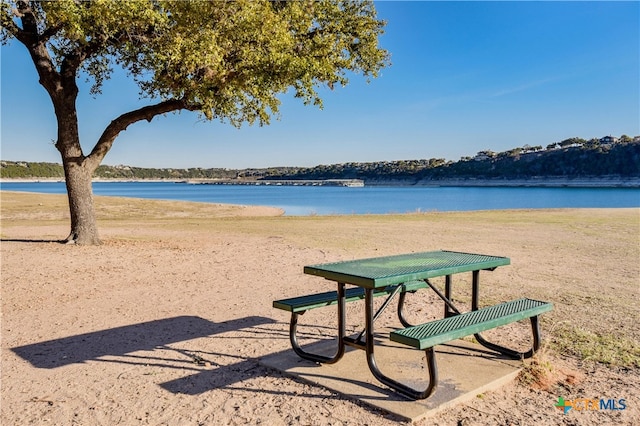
(546,182)
(540,182)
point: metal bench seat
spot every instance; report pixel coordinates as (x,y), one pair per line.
(311,301)
(444,330)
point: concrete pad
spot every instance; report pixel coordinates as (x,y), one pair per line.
(465,370)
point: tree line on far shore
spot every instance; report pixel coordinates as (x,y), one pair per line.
(571,158)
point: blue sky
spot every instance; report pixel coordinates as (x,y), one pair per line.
(465,77)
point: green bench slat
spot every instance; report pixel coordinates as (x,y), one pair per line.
(444,330)
(312,301)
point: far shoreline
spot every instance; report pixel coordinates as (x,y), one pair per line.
(535,182)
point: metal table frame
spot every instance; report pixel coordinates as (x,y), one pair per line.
(418,266)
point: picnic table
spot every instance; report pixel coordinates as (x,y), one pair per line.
(398,275)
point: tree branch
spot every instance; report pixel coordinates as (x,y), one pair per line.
(121,123)
(35,44)
(28,34)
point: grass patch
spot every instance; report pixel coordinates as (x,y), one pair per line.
(609,349)
(537,373)
(541,373)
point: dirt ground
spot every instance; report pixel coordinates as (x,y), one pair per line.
(166,321)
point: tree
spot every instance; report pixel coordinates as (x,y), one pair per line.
(224,60)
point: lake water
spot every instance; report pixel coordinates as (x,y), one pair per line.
(326,200)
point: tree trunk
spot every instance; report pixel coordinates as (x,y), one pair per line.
(84,228)
(78,171)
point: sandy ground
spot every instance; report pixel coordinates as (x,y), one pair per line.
(166,321)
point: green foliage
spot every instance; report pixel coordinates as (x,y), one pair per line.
(21,169)
(227,59)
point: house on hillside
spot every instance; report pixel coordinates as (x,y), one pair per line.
(484,155)
(608,140)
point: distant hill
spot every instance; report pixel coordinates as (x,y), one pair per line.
(571,158)
(578,159)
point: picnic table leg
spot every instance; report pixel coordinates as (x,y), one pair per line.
(401,317)
(293,326)
(371,360)
(447,294)
(535,328)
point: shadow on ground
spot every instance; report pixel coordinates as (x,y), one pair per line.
(121,341)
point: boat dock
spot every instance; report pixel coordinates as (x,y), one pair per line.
(350,183)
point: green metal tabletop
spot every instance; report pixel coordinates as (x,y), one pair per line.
(383,271)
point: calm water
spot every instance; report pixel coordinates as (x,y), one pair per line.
(325,200)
